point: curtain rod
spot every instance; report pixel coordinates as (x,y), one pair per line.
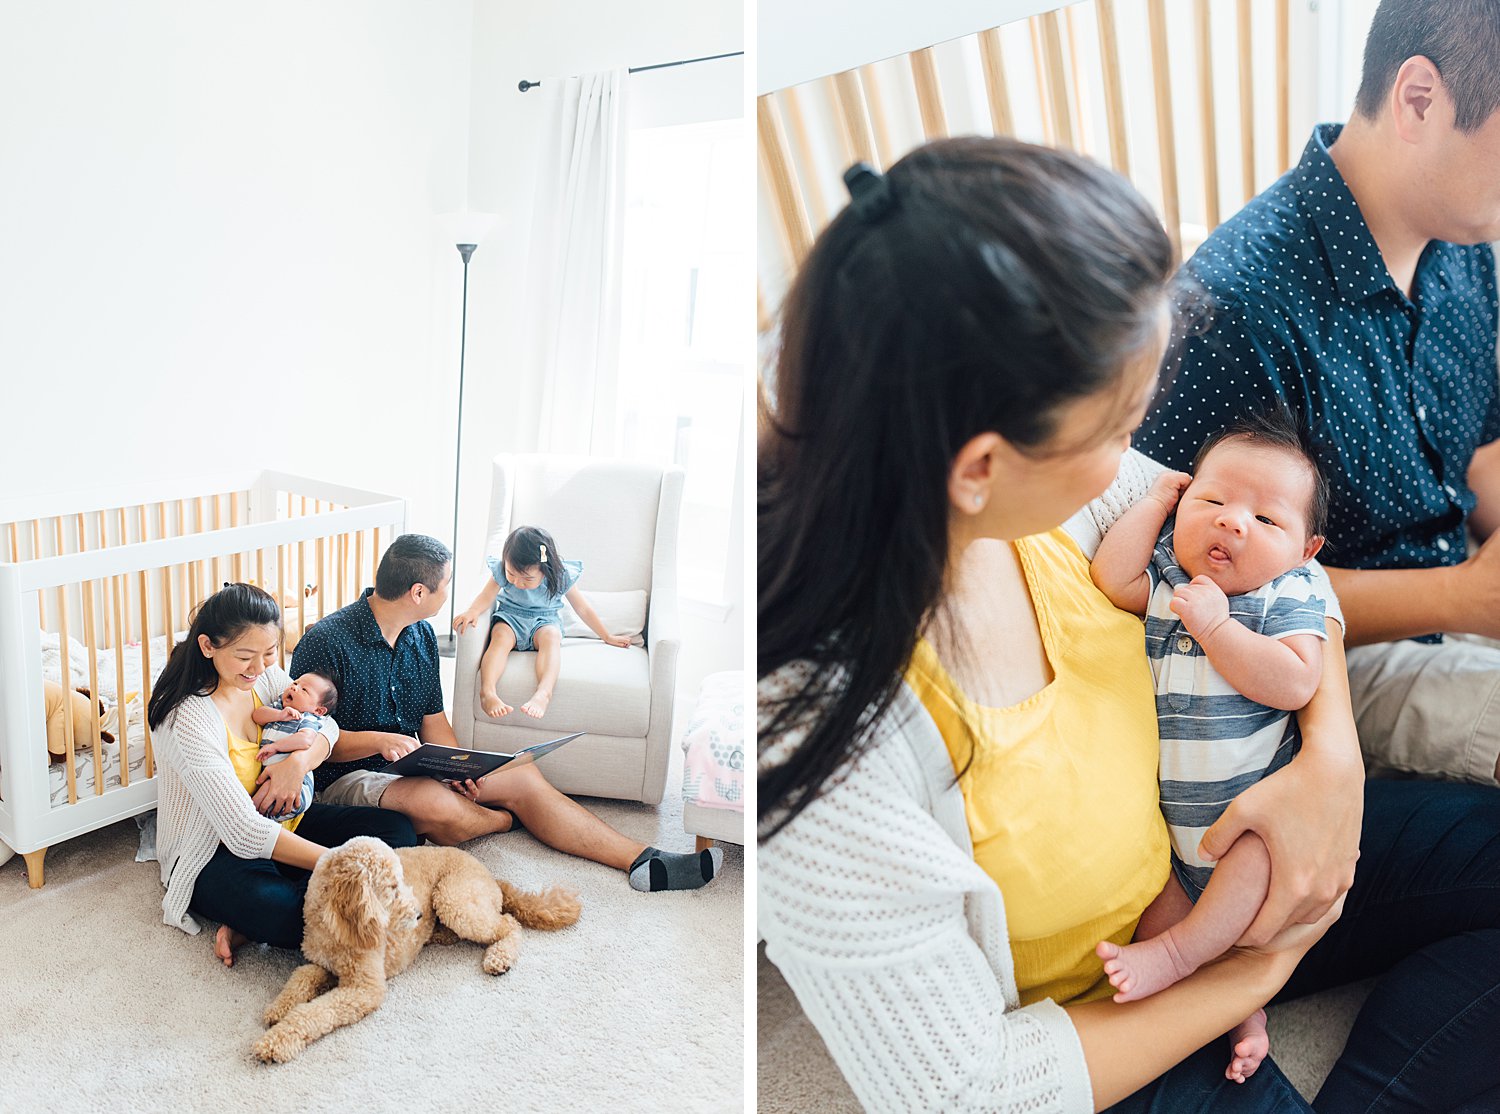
(525,85)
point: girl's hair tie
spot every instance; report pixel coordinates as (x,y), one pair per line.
(544,555)
(870,191)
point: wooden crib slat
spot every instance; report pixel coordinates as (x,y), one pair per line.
(929,94)
(855,117)
(795,226)
(14,548)
(302,585)
(359,561)
(218,522)
(101,525)
(127,632)
(1247,104)
(796,129)
(281,593)
(343,596)
(884,148)
(91,643)
(183,577)
(1114,98)
(1078,86)
(36,551)
(117,586)
(166,586)
(1166,142)
(1206,113)
(996,91)
(238,562)
(1283,87)
(322,581)
(145,594)
(65,672)
(1051,61)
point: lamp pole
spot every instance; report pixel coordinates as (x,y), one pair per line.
(448,644)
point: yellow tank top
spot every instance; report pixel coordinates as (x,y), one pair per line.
(247,767)
(1060,792)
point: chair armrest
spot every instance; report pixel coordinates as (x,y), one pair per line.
(466,679)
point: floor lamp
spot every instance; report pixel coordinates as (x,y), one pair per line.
(466,229)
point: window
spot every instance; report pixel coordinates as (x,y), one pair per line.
(684,331)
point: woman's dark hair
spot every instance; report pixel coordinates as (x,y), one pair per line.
(994,282)
(524,550)
(224,616)
(411,559)
(1460,37)
(1277,427)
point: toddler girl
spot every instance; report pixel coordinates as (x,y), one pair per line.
(530,605)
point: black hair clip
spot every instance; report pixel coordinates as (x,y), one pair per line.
(869,191)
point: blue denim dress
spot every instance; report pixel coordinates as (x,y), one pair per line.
(528,610)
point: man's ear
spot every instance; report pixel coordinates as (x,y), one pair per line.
(1415,93)
(1314,544)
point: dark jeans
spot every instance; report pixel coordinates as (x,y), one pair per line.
(1424,911)
(263,899)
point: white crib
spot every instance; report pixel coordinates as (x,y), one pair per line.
(111,577)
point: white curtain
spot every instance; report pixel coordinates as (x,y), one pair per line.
(574,287)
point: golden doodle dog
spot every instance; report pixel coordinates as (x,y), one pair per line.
(369,910)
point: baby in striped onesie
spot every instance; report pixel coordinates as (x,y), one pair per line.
(1234,634)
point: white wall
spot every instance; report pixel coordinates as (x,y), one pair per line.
(217,244)
(542,42)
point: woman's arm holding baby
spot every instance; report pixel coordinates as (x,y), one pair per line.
(1308,812)
(1119,566)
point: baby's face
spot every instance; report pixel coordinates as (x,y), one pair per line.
(304,696)
(1242,522)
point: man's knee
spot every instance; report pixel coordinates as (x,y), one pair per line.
(522,786)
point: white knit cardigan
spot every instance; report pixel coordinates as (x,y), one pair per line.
(200,802)
(893,938)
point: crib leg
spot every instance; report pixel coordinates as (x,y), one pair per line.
(704,843)
(34,867)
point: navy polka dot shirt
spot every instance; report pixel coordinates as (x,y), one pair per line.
(381,687)
(1398,392)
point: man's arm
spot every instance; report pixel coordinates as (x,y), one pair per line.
(437,729)
(1484,481)
(353,745)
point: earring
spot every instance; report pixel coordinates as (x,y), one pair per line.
(978,501)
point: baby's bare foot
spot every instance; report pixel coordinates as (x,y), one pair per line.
(493,706)
(536,707)
(1141,969)
(226,940)
(1249,1044)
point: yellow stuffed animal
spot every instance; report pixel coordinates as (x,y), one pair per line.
(82,709)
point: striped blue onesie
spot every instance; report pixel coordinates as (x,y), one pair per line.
(1216,743)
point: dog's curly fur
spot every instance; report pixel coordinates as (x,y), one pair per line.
(369,910)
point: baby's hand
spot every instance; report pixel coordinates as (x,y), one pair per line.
(283,746)
(1168,487)
(466,620)
(1201,605)
(286,715)
(615,640)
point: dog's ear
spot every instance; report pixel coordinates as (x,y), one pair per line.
(351,906)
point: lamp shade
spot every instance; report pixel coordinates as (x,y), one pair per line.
(466,227)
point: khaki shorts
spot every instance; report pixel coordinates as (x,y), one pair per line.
(1428,709)
(362,787)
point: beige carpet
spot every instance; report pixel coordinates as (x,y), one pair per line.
(637,1007)
(795,1073)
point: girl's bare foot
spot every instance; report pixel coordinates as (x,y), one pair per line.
(1249,1043)
(536,707)
(226,940)
(493,706)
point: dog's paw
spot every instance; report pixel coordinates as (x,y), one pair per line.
(499,956)
(276,1048)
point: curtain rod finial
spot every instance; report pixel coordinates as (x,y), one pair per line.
(525,85)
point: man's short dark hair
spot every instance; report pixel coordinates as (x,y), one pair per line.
(330,699)
(411,559)
(1460,37)
(1276,427)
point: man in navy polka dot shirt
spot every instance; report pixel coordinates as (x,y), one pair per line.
(384,654)
(1360,289)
